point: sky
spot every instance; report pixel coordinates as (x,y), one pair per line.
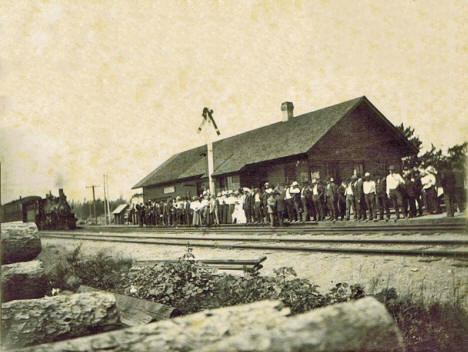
(117,87)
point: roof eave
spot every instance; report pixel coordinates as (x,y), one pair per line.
(169,181)
(412,149)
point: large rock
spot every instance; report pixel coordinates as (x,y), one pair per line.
(29,322)
(363,325)
(180,334)
(20,242)
(23,281)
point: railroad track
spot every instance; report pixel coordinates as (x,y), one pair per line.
(460,227)
(284,244)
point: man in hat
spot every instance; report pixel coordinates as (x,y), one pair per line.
(231,202)
(295,192)
(195,208)
(267,191)
(248,205)
(381,197)
(460,187)
(330,198)
(359,201)
(317,196)
(306,199)
(394,182)
(447,180)
(409,193)
(288,203)
(280,206)
(430,191)
(369,195)
(349,194)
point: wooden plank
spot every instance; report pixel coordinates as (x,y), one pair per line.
(134,311)
(211,261)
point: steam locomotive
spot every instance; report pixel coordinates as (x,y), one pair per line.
(49,213)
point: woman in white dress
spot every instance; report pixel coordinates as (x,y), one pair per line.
(238,216)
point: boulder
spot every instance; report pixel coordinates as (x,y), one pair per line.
(20,242)
(362,325)
(180,334)
(23,281)
(29,322)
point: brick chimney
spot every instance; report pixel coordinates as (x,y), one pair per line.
(287,108)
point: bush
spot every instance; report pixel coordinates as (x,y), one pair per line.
(430,327)
(66,270)
(190,286)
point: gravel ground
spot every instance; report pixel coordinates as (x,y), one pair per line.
(429,277)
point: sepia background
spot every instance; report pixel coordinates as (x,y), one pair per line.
(94,87)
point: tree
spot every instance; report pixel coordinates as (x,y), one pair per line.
(455,156)
(412,160)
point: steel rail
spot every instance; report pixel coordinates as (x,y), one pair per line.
(453,227)
(368,251)
(276,240)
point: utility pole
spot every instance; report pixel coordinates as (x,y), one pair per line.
(107,192)
(94,202)
(105,198)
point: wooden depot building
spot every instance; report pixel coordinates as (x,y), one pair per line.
(338,141)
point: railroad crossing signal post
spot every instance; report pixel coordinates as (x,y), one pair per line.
(210,166)
(208,118)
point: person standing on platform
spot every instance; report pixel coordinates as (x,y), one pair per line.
(231,202)
(268,190)
(394,182)
(430,192)
(330,198)
(369,195)
(418,189)
(460,188)
(295,192)
(271,207)
(350,202)
(410,193)
(447,180)
(317,196)
(341,200)
(288,202)
(381,197)
(280,206)
(248,204)
(222,207)
(214,206)
(359,200)
(305,195)
(195,207)
(257,204)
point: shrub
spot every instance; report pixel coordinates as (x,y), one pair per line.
(190,286)
(66,269)
(430,326)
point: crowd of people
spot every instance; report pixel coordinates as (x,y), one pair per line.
(360,198)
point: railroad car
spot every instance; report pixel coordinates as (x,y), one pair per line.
(49,213)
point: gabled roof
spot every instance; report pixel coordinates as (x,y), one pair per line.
(120,208)
(282,139)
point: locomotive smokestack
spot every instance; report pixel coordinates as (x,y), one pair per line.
(61,194)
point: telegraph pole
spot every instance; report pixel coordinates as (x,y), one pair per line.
(105,198)
(94,201)
(107,192)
